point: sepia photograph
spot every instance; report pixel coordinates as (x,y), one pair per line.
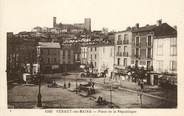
(91,54)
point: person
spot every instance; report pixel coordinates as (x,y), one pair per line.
(54,83)
(69,85)
(129,75)
(64,85)
(99,101)
(142,84)
(93,84)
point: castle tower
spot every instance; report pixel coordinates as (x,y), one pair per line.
(54,21)
(87,24)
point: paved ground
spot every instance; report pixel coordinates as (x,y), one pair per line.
(20,96)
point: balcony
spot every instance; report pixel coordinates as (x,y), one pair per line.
(149,57)
(137,56)
(149,45)
(125,54)
(119,54)
(119,42)
(125,42)
(137,44)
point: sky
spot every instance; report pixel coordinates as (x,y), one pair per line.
(23,15)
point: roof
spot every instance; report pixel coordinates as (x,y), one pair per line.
(145,28)
(49,45)
(163,30)
(99,45)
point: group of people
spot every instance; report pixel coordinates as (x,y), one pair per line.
(101,101)
(69,84)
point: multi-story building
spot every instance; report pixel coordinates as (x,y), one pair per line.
(48,56)
(66,58)
(123,49)
(142,45)
(165,50)
(21,51)
(84,54)
(101,56)
(143,40)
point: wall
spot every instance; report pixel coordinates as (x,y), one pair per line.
(128,49)
(162,53)
(143,48)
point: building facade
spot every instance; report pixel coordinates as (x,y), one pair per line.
(123,49)
(48,56)
(102,57)
(165,51)
(21,51)
(142,46)
(66,59)
(84,54)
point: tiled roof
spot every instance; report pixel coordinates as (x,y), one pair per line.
(162,30)
(145,28)
(49,45)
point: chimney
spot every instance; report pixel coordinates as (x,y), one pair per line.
(147,24)
(128,28)
(159,22)
(175,27)
(137,25)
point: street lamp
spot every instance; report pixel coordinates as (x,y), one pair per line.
(39,102)
(76,84)
(92,67)
(111,95)
(64,75)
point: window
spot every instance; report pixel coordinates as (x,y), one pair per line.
(137,41)
(95,56)
(125,41)
(126,37)
(91,56)
(125,61)
(48,60)
(119,49)
(173,65)
(159,48)
(119,37)
(91,49)
(173,51)
(95,64)
(149,40)
(148,64)
(149,53)
(95,48)
(143,53)
(125,48)
(118,61)
(137,52)
(160,65)
(142,62)
(173,41)
(136,63)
